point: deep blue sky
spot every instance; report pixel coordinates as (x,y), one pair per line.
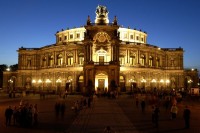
(33,23)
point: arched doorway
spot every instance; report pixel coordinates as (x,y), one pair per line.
(101,82)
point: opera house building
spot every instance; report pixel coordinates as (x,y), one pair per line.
(100,56)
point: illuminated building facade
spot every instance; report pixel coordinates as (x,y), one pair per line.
(100,56)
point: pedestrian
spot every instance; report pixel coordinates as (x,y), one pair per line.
(174,111)
(136,101)
(153,114)
(77,106)
(108,129)
(89,102)
(186,116)
(15,114)
(35,115)
(62,110)
(8,115)
(57,109)
(143,105)
(156,115)
(167,103)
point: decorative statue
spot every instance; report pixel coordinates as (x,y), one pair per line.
(101,15)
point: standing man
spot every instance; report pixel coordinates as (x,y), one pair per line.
(186,116)
(143,105)
(156,115)
(8,115)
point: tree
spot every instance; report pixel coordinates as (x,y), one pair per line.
(3,67)
(14,67)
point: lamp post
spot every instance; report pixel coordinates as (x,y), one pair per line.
(162,83)
(40,83)
(58,82)
(33,85)
(48,81)
(167,83)
(131,84)
(8,69)
(189,84)
(143,81)
(153,81)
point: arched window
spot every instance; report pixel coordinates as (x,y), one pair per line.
(50,60)
(81,59)
(142,60)
(29,62)
(172,62)
(122,60)
(44,61)
(157,62)
(59,60)
(70,59)
(133,60)
(150,61)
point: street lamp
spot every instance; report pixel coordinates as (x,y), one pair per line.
(131,82)
(40,82)
(153,81)
(33,84)
(48,81)
(162,82)
(58,81)
(190,83)
(167,82)
(8,69)
(143,83)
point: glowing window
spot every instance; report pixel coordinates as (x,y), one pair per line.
(71,36)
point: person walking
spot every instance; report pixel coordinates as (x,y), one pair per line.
(136,101)
(62,110)
(186,116)
(57,109)
(35,115)
(108,129)
(15,115)
(174,111)
(143,105)
(153,114)
(156,115)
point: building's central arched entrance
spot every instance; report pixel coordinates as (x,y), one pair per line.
(101,82)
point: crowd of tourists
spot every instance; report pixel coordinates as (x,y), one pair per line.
(169,102)
(24,115)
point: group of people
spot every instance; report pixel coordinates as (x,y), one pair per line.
(169,104)
(82,103)
(60,109)
(23,115)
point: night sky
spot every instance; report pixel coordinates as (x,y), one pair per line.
(33,23)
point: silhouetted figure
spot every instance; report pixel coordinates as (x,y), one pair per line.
(174,111)
(108,130)
(153,114)
(167,103)
(89,102)
(156,115)
(57,109)
(15,114)
(136,102)
(143,105)
(35,115)
(8,115)
(62,110)
(186,116)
